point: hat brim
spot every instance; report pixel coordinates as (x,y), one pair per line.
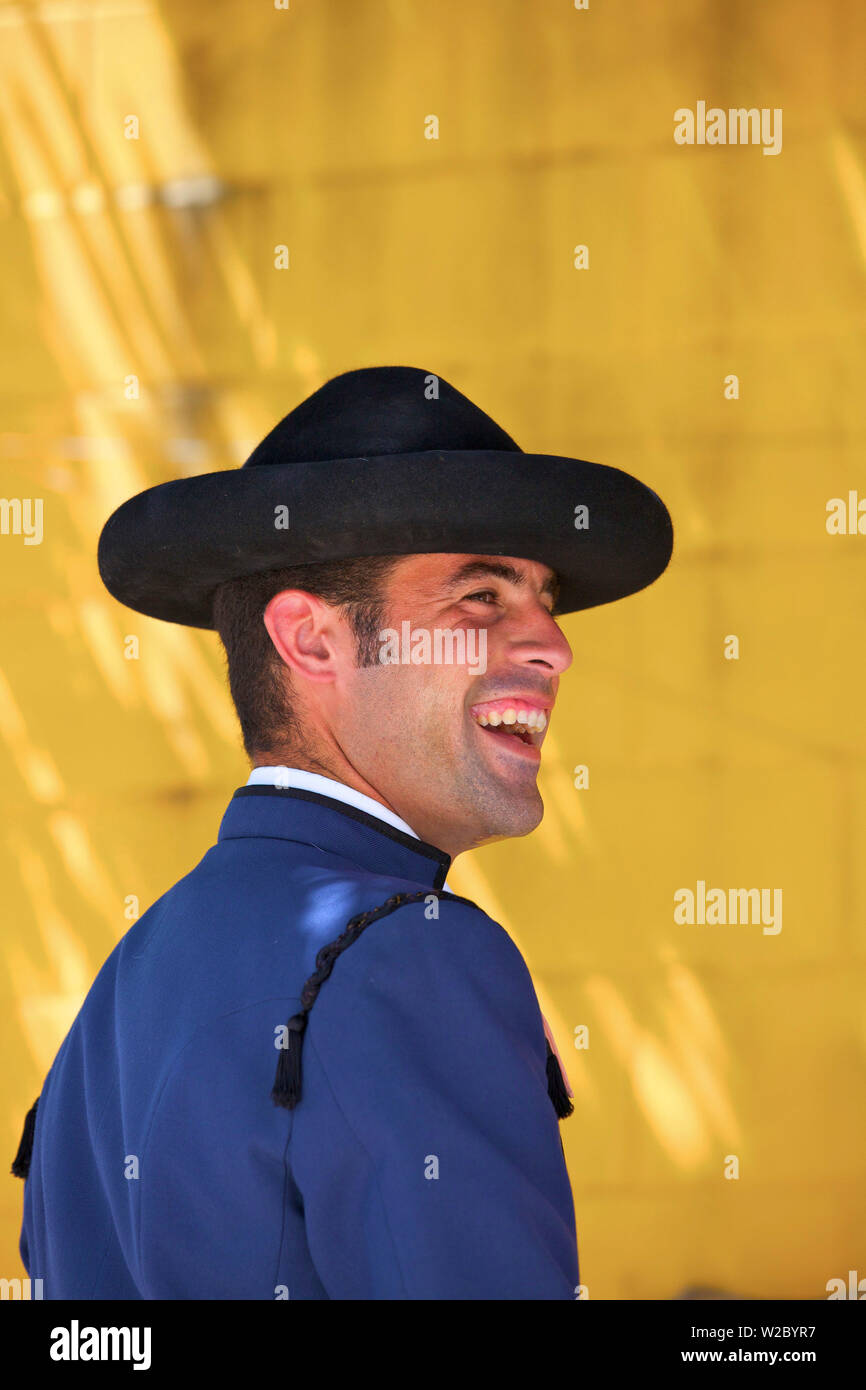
(166,550)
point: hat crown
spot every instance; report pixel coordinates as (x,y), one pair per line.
(375,411)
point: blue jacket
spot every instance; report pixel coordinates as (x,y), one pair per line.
(423,1159)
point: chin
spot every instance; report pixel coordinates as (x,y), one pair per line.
(509,821)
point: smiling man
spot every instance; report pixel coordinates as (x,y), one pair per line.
(310,1070)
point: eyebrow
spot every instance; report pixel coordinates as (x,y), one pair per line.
(498,569)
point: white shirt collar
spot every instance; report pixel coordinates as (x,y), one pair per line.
(326,786)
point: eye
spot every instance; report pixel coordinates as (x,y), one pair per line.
(479,595)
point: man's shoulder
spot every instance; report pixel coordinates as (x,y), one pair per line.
(425,999)
(412,920)
(419,945)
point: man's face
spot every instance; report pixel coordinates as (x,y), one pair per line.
(437,739)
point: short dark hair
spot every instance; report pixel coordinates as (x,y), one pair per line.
(259,680)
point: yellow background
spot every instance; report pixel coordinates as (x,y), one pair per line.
(154,257)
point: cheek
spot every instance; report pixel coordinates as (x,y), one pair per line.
(408,712)
(382,707)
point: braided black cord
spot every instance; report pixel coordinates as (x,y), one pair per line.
(287,1083)
(327,956)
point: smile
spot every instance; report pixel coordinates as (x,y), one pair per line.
(516,721)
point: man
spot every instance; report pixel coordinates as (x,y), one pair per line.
(310,1071)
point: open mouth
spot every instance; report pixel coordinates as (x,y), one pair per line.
(513,720)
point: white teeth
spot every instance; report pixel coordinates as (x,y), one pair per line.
(533,720)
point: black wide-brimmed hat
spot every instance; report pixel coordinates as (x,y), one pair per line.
(384,461)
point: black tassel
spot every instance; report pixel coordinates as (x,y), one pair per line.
(556,1086)
(21,1164)
(287,1085)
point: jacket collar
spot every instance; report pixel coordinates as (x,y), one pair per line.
(333,826)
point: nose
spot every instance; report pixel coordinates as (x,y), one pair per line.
(538,641)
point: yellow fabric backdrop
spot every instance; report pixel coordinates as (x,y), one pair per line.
(149,331)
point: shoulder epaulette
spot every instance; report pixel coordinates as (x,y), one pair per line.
(286,1090)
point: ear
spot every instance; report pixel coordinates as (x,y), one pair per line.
(306,632)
